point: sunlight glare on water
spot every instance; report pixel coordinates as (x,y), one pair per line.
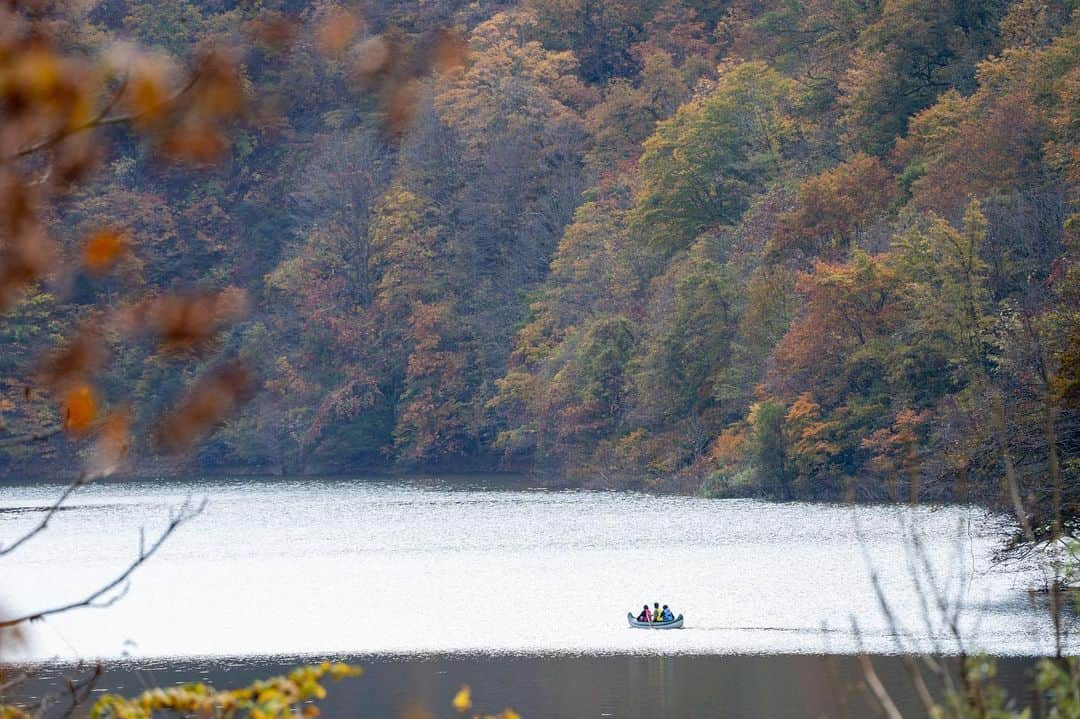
(369,567)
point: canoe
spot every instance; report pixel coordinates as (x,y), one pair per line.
(676,624)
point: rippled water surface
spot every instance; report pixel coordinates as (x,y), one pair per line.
(372,567)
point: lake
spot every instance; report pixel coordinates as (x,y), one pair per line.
(618,686)
(419,567)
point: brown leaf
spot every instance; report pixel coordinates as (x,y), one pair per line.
(187,322)
(195,141)
(28,258)
(401,105)
(112,445)
(213,398)
(151,84)
(75,159)
(74,361)
(104,247)
(415,710)
(12,639)
(448,51)
(370,57)
(273,30)
(219,93)
(336,30)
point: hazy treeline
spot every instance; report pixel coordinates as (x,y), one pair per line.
(800,247)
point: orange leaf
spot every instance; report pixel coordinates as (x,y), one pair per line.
(80,408)
(104,247)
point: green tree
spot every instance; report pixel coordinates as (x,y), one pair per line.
(701,166)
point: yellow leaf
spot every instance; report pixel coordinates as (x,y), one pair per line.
(463,699)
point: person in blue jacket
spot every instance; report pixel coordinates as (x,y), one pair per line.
(666,615)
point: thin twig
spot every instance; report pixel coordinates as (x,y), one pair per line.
(13,682)
(84,686)
(881,694)
(919,683)
(81,480)
(94,599)
(877,688)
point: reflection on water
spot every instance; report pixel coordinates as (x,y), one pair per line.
(359,566)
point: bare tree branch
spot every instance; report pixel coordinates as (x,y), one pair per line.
(919,683)
(877,688)
(40,527)
(95,599)
(102,119)
(881,694)
(79,690)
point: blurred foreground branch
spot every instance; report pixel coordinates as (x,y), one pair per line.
(186,512)
(40,526)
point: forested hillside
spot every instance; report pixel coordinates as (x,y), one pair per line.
(797,247)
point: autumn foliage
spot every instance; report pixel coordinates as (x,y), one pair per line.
(798,249)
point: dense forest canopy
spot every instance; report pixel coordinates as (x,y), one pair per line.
(796,247)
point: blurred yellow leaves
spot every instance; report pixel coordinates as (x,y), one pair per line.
(104,247)
(275,698)
(462,701)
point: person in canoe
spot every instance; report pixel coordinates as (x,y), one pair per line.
(666,615)
(656,615)
(646,615)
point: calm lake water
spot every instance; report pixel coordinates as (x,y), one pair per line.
(365,567)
